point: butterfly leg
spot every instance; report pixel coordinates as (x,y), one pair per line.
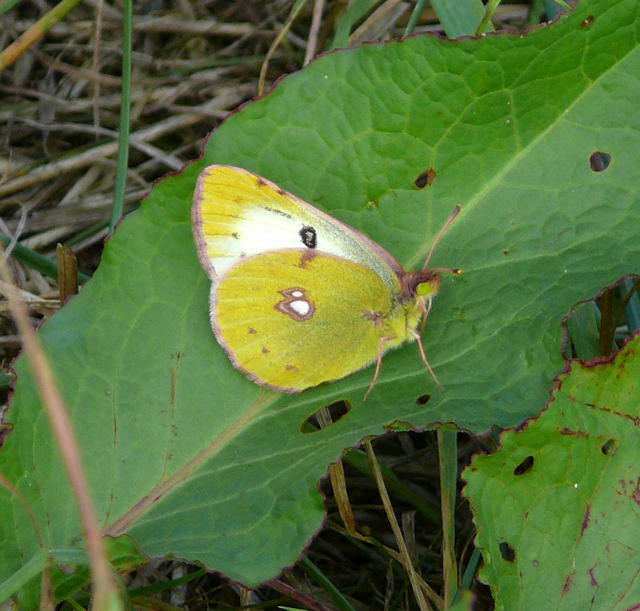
(426,308)
(378,364)
(424,357)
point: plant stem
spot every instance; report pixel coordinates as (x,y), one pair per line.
(448,458)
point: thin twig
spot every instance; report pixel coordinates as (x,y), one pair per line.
(95,61)
(35,33)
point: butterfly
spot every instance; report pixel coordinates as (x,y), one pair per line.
(299,298)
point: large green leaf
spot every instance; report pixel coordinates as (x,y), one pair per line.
(189,457)
(557,507)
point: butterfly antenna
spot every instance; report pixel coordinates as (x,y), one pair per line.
(443,230)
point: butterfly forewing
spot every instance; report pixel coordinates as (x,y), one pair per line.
(238,214)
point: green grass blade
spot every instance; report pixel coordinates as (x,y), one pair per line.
(125,112)
(47,267)
(7,5)
(321,579)
(459,18)
(415,15)
(24,574)
(633,306)
(351,15)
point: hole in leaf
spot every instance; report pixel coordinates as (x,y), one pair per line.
(525,466)
(425,179)
(609,447)
(423,399)
(325,416)
(587,22)
(507,552)
(599,161)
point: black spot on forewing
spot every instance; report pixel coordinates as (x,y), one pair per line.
(309,236)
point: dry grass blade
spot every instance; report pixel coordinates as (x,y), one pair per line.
(316,21)
(35,33)
(67,272)
(339,487)
(397,556)
(338,481)
(274,45)
(55,168)
(381,21)
(395,527)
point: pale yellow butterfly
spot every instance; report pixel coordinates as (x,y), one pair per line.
(297,297)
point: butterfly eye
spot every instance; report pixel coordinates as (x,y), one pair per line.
(426,289)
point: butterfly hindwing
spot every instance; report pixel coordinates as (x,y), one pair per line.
(295,318)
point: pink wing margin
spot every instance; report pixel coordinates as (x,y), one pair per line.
(196,224)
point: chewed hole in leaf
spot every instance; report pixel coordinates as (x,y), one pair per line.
(525,466)
(423,400)
(599,161)
(587,22)
(507,552)
(425,179)
(609,448)
(325,417)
